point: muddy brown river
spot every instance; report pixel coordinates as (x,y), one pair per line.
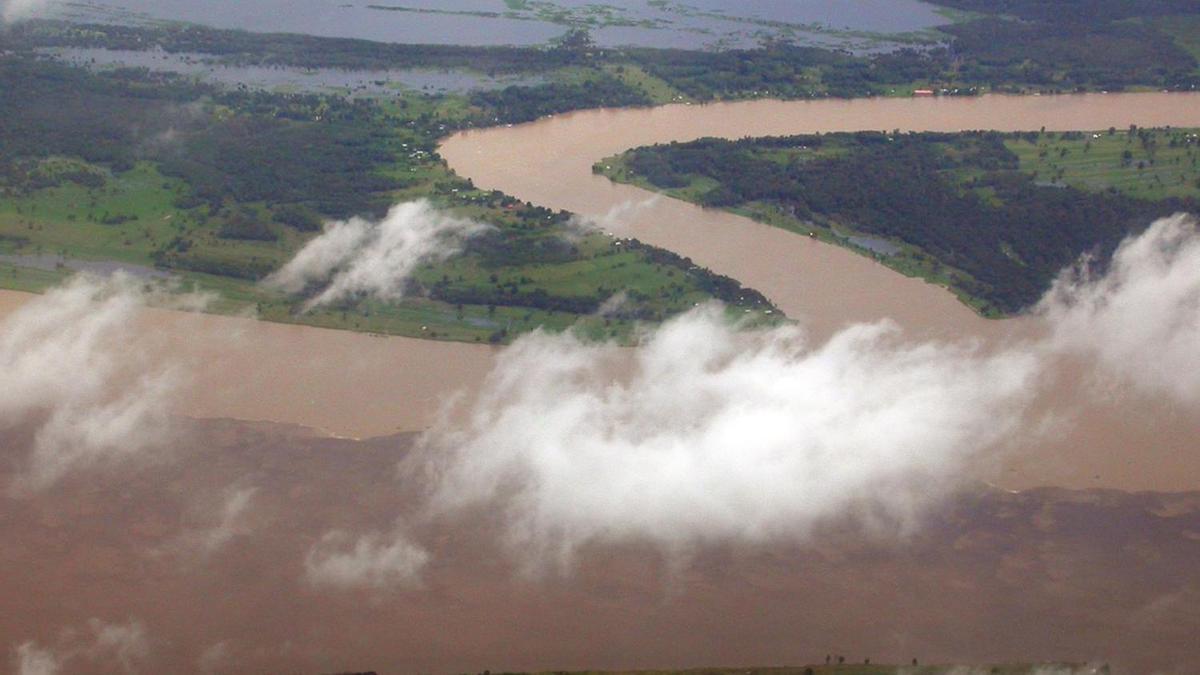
(992,576)
(357,385)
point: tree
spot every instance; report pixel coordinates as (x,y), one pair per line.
(576,41)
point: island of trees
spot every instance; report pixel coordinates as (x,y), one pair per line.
(994,216)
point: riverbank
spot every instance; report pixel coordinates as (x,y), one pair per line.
(359,385)
(995,217)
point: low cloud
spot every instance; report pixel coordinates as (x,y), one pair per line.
(77,368)
(102,645)
(370,561)
(718,434)
(706,433)
(30,659)
(1141,319)
(216,658)
(358,257)
(614,220)
(231,518)
(13,11)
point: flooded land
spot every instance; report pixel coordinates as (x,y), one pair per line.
(859,24)
(992,577)
(360,385)
(1123,441)
(193,492)
(210,69)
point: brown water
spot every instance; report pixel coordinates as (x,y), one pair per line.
(992,577)
(342,383)
(1123,442)
(359,385)
(1039,575)
(549,163)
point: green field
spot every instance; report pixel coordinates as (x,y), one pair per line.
(658,90)
(66,221)
(1144,163)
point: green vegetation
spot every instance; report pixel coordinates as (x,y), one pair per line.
(524,104)
(1086,12)
(981,51)
(1185,30)
(1065,44)
(993,216)
(161,174)
(167,173)
(1149,164)
(657,90)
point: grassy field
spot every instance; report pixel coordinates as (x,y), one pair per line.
(1145,163)
(68,219)
(658,89)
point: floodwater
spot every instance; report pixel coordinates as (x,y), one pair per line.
(1040,575)
(690,24)
(992,577)
(281,78)
(1122,441)
(359,385)
(341,383)
(549,163)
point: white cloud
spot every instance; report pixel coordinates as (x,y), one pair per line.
(18,10)
(718,434)
(616,218)
(231,518)
(32,660)
(76,366)
(124,645)
(1141,319)
(360,257)
(374,561)
(231,524)
(215,659)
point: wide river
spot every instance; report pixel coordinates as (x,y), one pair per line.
(359,385)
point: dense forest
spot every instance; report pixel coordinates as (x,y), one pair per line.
(960,199)
(119,118)
(526,103)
